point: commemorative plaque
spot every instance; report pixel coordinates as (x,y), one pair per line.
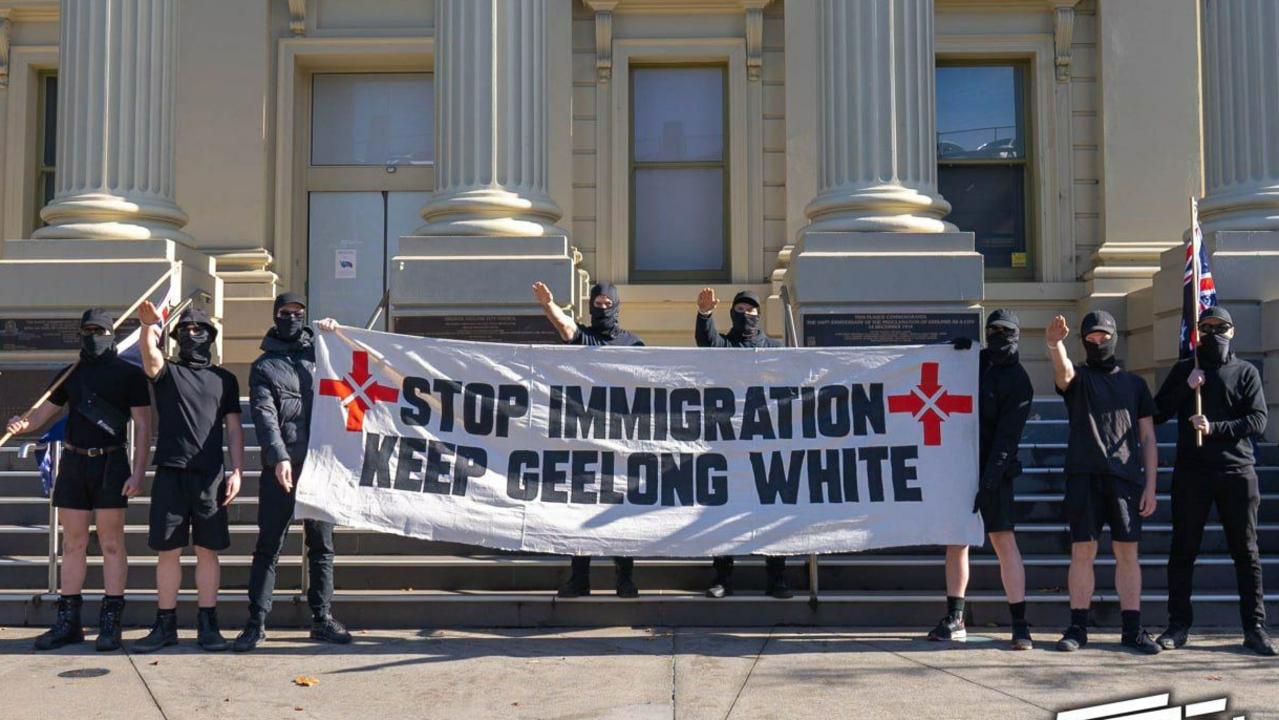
(871,329)
(514,329)
(17,334)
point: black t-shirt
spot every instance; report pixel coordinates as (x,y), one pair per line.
(586,336)
(120,384)
(1104,409)
(191,403)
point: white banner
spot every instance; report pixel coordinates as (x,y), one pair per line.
(679,452)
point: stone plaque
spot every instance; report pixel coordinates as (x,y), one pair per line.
(18,334)
(870,329)
(515,329)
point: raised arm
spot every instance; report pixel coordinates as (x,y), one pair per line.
(560,320)
(149,342)
(704,331)
(1054,335)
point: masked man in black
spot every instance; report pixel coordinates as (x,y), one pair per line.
(1005,395)
(604,330)
(745,333)
(281,387)
(193,398)
(1111,447)
(1218,472)
(94,480)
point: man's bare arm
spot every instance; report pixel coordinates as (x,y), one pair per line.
(1054,335)
(560,320)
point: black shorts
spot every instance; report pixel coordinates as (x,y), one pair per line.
(1094,501)
(186,505)
(91,483)
(997,509)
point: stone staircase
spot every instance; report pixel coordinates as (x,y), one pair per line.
(390,581)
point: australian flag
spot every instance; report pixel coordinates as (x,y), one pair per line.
(1198,292)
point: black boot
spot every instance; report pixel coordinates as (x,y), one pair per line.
(163,634)
(253,633)
(1258,640)
(109,617)
(208,635)
(326,629)
(626,587)
(579,580)
(776,584)
(66,628)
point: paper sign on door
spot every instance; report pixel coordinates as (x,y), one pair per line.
(344,265)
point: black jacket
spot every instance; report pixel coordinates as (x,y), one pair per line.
(1004,398)
(706,335)
(281,384)
(1233,403)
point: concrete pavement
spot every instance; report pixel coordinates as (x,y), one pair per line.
(631,673)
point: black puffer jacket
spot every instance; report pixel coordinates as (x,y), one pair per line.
(281,383)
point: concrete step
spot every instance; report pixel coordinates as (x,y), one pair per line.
(1047,612)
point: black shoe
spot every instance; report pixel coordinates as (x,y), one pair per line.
(66,629)
(1257,640)
(778,589)
(1074,638)
(1021,637)
(253,633)
(163,634)
(109,624)
(1141,642)
(949,628)
(720,587)
(328,630)
(576,586)
(208,635)
(626,587)
(1173,638)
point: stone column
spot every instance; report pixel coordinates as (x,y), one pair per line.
(1241,115)
(877,122)
(116,88)
(492,119)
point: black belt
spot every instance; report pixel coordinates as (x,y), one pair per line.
(91,452)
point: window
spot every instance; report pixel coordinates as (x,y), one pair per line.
(984,160)
(46,143)
(372,119)
(679,173)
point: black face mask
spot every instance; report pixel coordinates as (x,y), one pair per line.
(194,348)
(96,347)
(1213,350)
(744,326)
(1002,343)
(289,327)
(1101,356)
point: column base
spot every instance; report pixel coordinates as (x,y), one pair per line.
(480,287)
(885,288)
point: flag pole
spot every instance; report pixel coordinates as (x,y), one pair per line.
(71,368)
(1194,300)
(792,340)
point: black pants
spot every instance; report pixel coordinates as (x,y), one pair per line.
(275,512)
(582,565)
(774,566)
(1236,494)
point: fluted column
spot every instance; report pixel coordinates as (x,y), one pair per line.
(492,120)
(876,119)
(117,81)
(1241,115)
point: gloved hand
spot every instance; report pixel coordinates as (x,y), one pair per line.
(961,343)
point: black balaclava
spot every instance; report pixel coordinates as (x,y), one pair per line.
(195,349)
(1003,336)
(745,327)
(288,328)
(604,321)
(1100,356)
(96,348)
(1213,349)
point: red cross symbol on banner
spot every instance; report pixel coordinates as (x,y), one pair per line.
(930,404)
(358,391)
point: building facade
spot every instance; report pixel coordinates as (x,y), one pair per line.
(867,155)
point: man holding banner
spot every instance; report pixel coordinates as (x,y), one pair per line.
(745,333)
(1217,470)
(94,483)
(605,330)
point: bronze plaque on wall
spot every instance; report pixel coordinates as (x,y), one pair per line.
(515,329)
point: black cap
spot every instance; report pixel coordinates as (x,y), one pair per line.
(98,316)
(1218,312)
(287,298)
(197,316)
(1098,320)
(747,296)
(1003,317)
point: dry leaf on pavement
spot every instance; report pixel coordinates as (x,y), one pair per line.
(305,681)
